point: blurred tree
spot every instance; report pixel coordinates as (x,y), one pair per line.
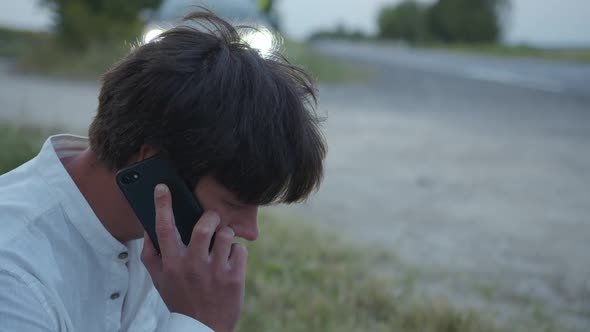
(466,21)
(268,8)
(340,32)
(405,21)
(265,6)
(79,23)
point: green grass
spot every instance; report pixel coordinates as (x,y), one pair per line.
(39,53)
(18,145)
(300,279)
(577,55)
(16,43)
(48,58)
(323,68)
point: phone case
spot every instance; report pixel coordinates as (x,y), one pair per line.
(138,181)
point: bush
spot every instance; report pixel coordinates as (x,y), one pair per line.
(14,43)
(406,21)
(18,145)
(449,21)
(47,56)
(467,21)
(81,23)
(340,32)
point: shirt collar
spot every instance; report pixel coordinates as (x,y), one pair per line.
(52,171)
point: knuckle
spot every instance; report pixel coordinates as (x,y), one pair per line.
(202,232)
(162,227)
(219,275)
(210,218)
(225,236)
(172,270)
(235,279)
(162,202)
(206,225)
(192,273)
(240,249)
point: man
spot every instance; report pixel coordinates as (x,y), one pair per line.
(241,130)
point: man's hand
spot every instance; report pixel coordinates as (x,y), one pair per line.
(208,286)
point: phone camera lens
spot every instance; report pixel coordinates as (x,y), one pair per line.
(130,178)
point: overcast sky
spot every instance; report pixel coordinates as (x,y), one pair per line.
(540,22)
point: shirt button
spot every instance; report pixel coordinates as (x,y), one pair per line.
(115,296)
(123,255)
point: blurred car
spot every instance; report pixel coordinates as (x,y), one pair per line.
(235,11)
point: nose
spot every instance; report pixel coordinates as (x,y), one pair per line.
(250,233)
(248,229)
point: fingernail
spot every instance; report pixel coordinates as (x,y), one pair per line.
(229,231)
(161,190)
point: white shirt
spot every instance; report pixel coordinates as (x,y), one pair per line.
(60,269)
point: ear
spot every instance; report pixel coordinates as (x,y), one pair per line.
(146,151)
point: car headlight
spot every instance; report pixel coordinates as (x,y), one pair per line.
(262,40)
(151,35)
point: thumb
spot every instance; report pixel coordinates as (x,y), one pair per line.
(150,256)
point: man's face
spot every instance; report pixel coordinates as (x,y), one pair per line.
(242,218)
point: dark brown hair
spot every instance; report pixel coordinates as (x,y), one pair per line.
(216,107)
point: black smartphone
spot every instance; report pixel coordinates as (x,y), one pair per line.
(138,181)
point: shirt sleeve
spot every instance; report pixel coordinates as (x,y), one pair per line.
(20,310)
(181,323)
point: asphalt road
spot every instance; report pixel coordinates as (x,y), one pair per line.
(480,180)
(545,75)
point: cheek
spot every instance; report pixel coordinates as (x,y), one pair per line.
(210,204)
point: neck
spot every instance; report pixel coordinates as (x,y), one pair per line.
(97,183)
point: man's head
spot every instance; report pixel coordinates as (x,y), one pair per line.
(241,128)
(218,109)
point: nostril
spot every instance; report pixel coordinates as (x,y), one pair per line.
(247,234)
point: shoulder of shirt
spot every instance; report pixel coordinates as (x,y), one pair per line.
(25,198)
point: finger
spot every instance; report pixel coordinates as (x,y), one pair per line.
(168,239)
(238,258)
(222,246)
(149,256)
(202,235)
(149,249)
